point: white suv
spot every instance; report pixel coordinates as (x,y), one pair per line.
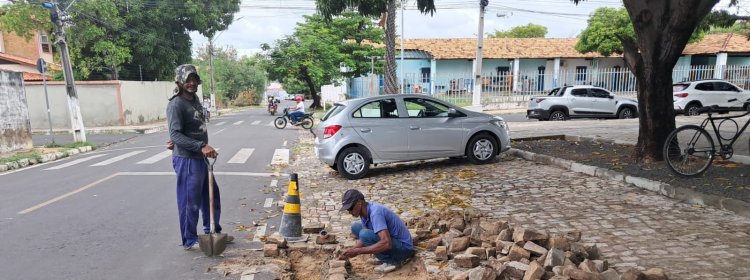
(689,96)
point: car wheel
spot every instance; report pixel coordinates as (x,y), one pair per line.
(626,113)
(692,110)
(481,149)
(558,116)
(353,163)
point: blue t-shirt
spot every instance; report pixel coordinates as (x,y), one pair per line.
(379,218)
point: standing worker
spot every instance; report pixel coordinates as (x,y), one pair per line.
(379,231)
(190,152)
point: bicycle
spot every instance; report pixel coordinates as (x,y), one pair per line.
(306,120)
(689,150)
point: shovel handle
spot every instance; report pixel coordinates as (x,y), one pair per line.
(210,164)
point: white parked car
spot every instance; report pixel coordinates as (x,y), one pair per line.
(580,102)
(690,96)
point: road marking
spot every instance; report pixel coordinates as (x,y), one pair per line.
(270,124)
(56,199)
(256,123)
(280,156)
(274,183)
(260,232)
(220,130)
(155,158)
(284,144)
(75,162)
(238,122)
(242,155)
(117,158)
(220,124)
(268,203)
(223,173)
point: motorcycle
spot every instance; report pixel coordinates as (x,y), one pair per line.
(306,120)
(273,106)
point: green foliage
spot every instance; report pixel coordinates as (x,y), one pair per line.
(233,75)
(603,33)
(314,52)
(132,40)
(524,31)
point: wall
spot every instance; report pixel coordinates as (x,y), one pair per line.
(738,60)
(454,68)
(490,65)
(18,46)
(14,114)
(103,103)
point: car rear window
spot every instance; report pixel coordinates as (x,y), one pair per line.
(679,87)
(337,108)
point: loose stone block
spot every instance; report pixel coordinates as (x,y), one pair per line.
(573,236)
(514,270)
(441,253)
(462,276)
(517,253)
(593,252)
(459,244)
(337,263)
(477,251)
(279,240)
(522,234)
(336,277)
(555,257)
(535,272)
(504,247)
(534,248)
(434,243)
(313,228)
(655,274)
(505,235)
(578,274)
(558,242)
(610,274)
(270,250)
(457,223)
(337,270)
(482,273)
(633,274)
(588,266)
(491,252)
(601,265)
(466,260)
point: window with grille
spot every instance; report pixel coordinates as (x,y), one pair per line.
(44,41)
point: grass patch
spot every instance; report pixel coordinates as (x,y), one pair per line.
(22,155)
(72,145)
(299,147)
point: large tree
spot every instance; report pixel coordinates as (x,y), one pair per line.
(377,8)
(134,39)
(661,30)
(311,56)
(524,31)
(234,75)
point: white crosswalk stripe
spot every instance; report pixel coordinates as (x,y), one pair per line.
(256,123)
(220,124)
(270,124)
(238,122)
(242,155)
(280,156)
(71,163)
(117,158)
(156,157)
(268,203)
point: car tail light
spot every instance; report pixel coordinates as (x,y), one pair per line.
(681,94)
(539,100)
(330,131)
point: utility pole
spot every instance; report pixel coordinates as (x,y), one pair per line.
(60,18)
(476,102)
(211,68)
(403,2)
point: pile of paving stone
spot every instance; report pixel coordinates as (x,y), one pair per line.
(479,248)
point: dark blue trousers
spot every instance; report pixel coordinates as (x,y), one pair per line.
(398,252)
(192,197)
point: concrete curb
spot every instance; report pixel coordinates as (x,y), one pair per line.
(680,194)
(48,157)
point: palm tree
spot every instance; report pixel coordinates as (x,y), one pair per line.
(376,8)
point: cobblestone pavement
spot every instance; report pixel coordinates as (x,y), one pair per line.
(632,227)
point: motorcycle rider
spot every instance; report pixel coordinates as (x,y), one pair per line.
(297,111)
(271,103)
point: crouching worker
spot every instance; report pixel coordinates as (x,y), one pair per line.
(380,232)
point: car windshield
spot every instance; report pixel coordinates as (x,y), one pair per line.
(679,87)
(554,92)
(333,111)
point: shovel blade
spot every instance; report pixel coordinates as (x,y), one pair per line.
(213,244)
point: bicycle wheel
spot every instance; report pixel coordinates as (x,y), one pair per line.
(280,122)
(689,150)
(306,122)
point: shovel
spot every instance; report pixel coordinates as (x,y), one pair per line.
(212,244)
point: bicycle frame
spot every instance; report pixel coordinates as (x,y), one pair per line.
(722,147)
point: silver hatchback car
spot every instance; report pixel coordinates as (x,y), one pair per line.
(391,128)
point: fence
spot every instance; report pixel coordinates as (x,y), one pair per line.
(503,87)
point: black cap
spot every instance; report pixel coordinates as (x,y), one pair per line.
(350,197)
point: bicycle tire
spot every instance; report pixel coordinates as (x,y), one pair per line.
(306,122)
(279,123)
(696,157)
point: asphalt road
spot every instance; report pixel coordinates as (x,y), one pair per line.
(111,213)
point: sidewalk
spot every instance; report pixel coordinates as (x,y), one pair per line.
(632,227)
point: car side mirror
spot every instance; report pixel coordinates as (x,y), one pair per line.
(452,113)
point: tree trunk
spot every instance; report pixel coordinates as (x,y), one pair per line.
(391,80)
(662,29)
(311,86)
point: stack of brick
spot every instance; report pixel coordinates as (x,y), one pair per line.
(492,249)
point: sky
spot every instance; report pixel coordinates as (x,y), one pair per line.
(264,21)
